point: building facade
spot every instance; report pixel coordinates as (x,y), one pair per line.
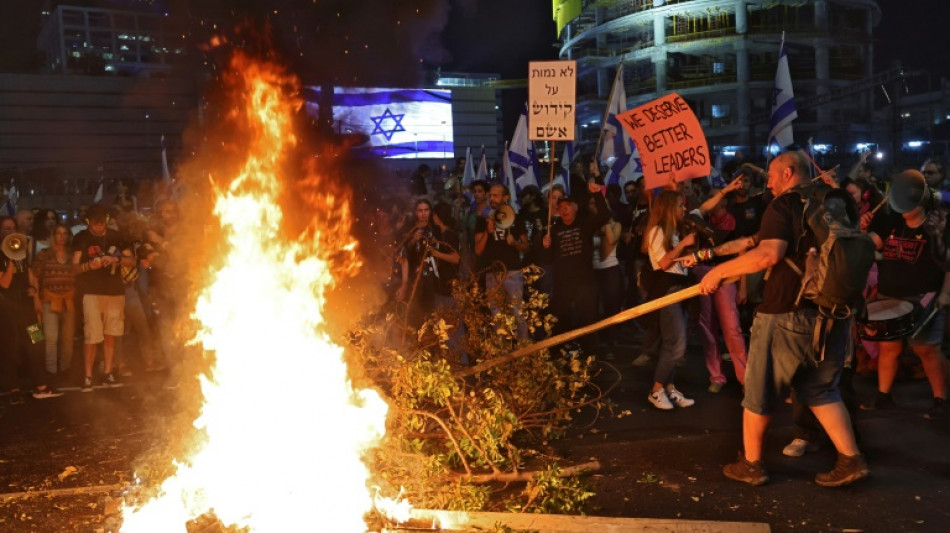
(721,57)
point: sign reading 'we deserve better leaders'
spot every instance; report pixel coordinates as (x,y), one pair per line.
(670,140)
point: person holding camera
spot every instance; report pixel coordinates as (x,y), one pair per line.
(417,265)
(96,261)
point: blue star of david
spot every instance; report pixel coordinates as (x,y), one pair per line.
(397,124)
(639,165)
(775,92)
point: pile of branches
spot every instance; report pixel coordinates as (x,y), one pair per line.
(457,431)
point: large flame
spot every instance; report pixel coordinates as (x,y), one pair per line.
(284,427)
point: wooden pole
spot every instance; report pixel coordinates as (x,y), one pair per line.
(623,316)
(551,208)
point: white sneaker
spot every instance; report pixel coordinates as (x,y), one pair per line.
(677,397)
(799,447)
(642,360)
(660,400)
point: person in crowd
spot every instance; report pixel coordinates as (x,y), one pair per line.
(96,259)
(722,306)
(21,318)
(933,171)
(908,270)
(132,227)
(24,221)
(445,250)
(53,268)
(608,274)
(79,223)
(781,350)
(500,250)
(479,208)
(535,218)
(417,183)
(165,252)
(570,249)
(43,223)
(662,244)
(124,200)
(417,264)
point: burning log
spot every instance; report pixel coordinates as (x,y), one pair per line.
(623,316)
(515,477)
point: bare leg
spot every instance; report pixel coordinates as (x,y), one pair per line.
(933,363)
(753,434)
(108,352)
(887,364)
(89,352)
(835,419)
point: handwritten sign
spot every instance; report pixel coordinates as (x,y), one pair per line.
(552,88)
(670,140)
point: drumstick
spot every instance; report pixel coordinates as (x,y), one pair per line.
(926,321)
(880,205)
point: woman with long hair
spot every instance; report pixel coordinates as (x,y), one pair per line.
(53,268)
(662,243)
(417,263)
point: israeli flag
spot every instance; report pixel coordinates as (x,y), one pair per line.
(618,150)
(521,154)
(468,175)
(510,179)
(400,123)
(783,103)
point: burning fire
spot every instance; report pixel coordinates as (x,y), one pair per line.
(284,428)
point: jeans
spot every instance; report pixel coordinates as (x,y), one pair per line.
(610,297)
(59,328)
(721,307)
(669,327)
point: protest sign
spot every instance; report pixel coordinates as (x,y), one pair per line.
(552,87)
(670,140)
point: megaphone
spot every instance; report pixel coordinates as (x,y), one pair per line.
(909,189)
(504,217)
(14,246)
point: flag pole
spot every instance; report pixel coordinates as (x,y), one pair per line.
(603,123)
(551,183)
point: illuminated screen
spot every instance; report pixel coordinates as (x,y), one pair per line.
(400,123)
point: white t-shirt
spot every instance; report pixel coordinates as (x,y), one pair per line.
(657,251)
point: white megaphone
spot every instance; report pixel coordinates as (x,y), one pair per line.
(14,246)
(504,217)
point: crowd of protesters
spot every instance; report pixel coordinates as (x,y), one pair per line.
(604,248)
(103,277)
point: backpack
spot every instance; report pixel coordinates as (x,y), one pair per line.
(836,272)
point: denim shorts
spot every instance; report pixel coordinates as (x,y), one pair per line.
(782,356)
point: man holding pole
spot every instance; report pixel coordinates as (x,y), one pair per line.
(781,350)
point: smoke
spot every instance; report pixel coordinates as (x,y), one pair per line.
(338,42)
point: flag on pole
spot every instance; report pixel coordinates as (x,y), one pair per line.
(509,178)
(783,103)
(716,179)
(482,173)
(468,176)
(618,150)
(521,155)
(99,193)
(166,175)
(10,200)
(567,157)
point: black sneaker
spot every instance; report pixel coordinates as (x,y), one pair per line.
(46,393)
(16,397)
(882,401)
(938,410)
(747,472)
(87,384)
(109,380)
(847,470)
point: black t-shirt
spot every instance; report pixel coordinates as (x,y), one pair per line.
(782,220)
(105,281)
(573,245)
(497,247)
(534,223)
(907,267)
(748,215)
(20,284)
(448,241)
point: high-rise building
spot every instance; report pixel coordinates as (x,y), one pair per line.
(721,57)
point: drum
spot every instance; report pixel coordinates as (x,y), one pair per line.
(888,319)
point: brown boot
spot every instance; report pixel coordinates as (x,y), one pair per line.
(747,472)
(847,470)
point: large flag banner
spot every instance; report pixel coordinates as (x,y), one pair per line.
(521,154)
(783,103)
(400,123)
(670,140)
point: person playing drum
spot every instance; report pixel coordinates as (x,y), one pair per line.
(908,270)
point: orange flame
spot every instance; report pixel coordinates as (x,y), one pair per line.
(284,427)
